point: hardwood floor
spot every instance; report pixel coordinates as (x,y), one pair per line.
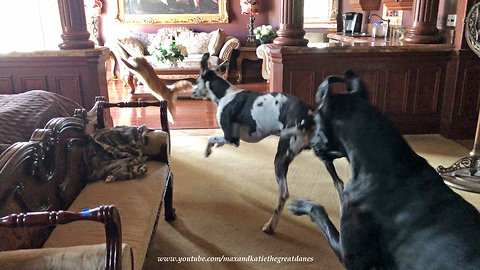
(189,114)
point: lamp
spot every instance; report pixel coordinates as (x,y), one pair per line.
(93,10)
(250,7)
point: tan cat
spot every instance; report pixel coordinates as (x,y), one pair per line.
(154,85)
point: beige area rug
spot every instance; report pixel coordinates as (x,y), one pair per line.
(223,201)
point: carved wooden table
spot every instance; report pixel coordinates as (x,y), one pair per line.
(249,53)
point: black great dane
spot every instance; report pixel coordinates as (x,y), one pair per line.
(252,116)
(396,211)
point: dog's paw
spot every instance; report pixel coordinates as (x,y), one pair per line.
(301,207)
(234,141)
(208,151)
(268,229)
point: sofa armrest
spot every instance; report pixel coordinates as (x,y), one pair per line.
(231,43)
(103,118)
(262,53)
(83,257)
(118,53)
(106,214)
(116,48)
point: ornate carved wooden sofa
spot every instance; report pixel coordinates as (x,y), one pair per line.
(136,43)
(48,174)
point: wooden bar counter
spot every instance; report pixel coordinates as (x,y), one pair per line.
(77,74)
(406,82)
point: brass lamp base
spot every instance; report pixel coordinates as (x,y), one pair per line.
(462,174)
(251,36)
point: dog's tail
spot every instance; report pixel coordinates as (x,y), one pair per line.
(355,84)
(177,87)
(182,85)
(325,86)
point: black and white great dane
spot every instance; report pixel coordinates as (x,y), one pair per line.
(396,211)
(252,116)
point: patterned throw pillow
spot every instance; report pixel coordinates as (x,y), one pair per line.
(216,42)
(196,43)
(132,46)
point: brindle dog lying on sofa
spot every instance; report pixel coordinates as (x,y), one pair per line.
(396,211)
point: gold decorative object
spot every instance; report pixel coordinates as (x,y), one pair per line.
(167,12)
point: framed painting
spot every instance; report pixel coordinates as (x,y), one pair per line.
(172,11)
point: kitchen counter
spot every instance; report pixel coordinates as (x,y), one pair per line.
(366,44)
(355,44)
(99,51)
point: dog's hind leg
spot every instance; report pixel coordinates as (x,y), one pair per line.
(215,140)
(319,216)
(288,148)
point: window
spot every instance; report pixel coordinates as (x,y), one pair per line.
(320,13)
(29,25)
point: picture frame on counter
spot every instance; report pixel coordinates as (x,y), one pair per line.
(395,16)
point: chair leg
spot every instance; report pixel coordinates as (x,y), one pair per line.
(169,210)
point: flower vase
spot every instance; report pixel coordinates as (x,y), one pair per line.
(263,40)
(173,62)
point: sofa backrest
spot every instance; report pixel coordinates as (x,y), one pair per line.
(44,174)
(195,42)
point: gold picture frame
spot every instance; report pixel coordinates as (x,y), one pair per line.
(180,12)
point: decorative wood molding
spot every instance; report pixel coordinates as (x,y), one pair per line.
(291,32)
(74,25)
(43,174)
(424,29)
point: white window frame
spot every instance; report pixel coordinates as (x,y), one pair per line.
(322,22)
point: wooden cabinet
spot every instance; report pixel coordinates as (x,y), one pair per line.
(365,5)
(399,4)
(76,74)
(406,85)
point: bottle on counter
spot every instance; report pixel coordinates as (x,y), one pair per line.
(378,29)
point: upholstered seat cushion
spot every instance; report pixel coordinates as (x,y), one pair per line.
(196,43)
(137,201)
(85,257)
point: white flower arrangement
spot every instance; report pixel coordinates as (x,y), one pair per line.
(168,51)
(264,33)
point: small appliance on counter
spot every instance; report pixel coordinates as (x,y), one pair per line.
(352,22)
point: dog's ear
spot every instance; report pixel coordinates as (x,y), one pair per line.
(204,63)
(355,84)
(222,68)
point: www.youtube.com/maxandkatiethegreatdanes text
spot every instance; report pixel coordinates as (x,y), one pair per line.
(249,258)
